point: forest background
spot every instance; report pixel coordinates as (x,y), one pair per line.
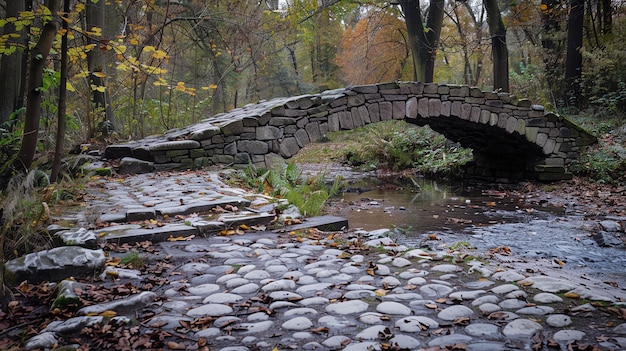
(75,72)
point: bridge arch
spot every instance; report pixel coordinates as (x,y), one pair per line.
(512,139)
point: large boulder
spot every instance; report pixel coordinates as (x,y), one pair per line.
(54,264)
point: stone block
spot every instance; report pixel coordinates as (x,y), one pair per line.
(232,128)
(242,158)
(417,88)
(356,100)
(399,109)
(411,107)
(422,107)
(131,165)
(175,145)
(313,130)
(475,100)
(291,129)
(365,89)
(461,91)
(342,101)
(434,107)
(493,119)
(222,159)
(475,114)
(205,133)
(511,125)
(268,133)
(195,153)
(333,122)
(365,115)
(564,132)
(445,108)
(374,112)
(431,88)
(466,111)
(230,148)
(542,138)
(356,117)
(114,152)
(253,147)
(274,161)
(503,118)
(455,108)
(548,147)
(301,122)
(282,121)
(484,116)
(521,126)
(289,147)
(140,214)
(175,153)
(395,97)
(443,90)
(302,137)
(386,110)
(476,92)
(250,121)
(345,120)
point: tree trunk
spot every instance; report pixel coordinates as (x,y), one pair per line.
(96,62)
(62,108)
(499,49)
(415,29)
(11,84)
(38,56)
(423,42)
(574,59)
(433,25)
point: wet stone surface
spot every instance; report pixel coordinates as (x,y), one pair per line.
(350,290)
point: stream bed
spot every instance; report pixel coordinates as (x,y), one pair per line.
(517,230)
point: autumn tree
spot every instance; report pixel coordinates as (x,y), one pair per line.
(374,50)
(38,56)
(11,67)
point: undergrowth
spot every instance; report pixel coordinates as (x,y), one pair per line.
(308,195)
(400,146)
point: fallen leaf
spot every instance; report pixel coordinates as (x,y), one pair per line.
(108,314)
(571,295)
(176,345)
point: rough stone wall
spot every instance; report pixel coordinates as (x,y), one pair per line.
(277,129)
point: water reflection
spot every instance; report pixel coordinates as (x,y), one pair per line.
(425,205)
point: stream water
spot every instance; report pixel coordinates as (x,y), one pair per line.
(433,214)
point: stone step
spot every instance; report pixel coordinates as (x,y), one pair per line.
(134,234)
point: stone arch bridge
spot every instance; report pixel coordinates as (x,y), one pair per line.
(511,138)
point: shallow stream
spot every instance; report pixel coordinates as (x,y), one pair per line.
(433,214)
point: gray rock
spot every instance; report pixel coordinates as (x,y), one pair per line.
(41,341)
(347,307)
(125,306)
(568,336)
(131,165)
(55,264)
(416,324)
(611,226)
(558,320)
(79,237)
(483,329)
(211,309)
(393,308)
(456,311)
(297,323)
(547,298)
(521,328)
(535,310)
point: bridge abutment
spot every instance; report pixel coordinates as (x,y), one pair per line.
(512,139)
